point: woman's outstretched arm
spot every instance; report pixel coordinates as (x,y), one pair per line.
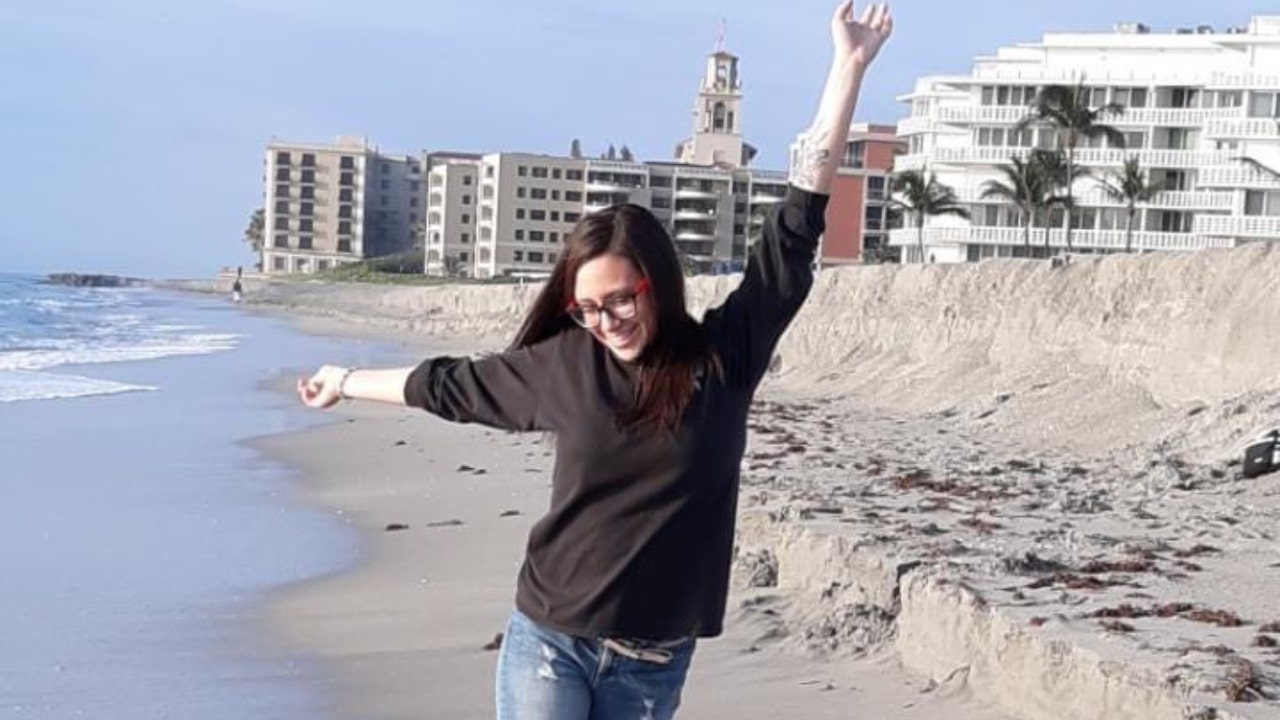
(856,38)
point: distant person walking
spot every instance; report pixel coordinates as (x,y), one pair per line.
(237,288)
(630,566)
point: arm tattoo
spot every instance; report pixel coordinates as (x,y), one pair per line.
(814,161)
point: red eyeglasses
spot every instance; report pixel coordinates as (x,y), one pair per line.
(619,306)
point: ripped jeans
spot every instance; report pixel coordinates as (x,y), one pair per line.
(544,674)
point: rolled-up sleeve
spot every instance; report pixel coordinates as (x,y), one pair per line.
(778,278)
(504,390)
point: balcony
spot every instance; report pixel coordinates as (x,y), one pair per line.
(1084,156)
(611,186)
(915,161)
(1243,81)
(690,235)
(1244,128)
(694,193)
(1098,239)
(1252,227)
(1096,197)
(763,199)
(1238,175)
(1010,114)
(696,214)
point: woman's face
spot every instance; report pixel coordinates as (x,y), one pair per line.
(610,286)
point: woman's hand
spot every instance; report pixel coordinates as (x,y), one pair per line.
(858,39)
(324,389)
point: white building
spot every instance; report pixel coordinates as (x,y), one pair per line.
(1197,100)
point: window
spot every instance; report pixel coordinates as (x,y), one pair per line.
(384,185)
(282,191)
(304,242)
(522,171)
(520,192)
(988,95)
(519,213)
(281,241)
(344,211)
(572,174)
(413,217)
(282,223)
(1262,104)
(537,214)
(346,178)
(488,171)
(308,160)
(659,203)
(308,193)
(305,225)
(660,181)
(282,158)
(344,227)
(282,174)
(551,258)
(572,196)
(517,255)
(307,209)
(308,176)
(344,246)
(572,217)
(555,173)
(538,193)
(465,239)
(414,186)
(347,163)
(277,263)
(322,265)
(1230,98)
(537,236)
(466,219)
(535,257)
(464,257)
(386,168)
(466,180)
(875,187)
(1262,202)
(519,234)
(466,199)
(539,172)
(555,216)
(413,201)
(282,207)
(555,194)
(555,237)
(1135,140)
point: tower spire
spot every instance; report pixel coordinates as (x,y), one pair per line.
(720,37)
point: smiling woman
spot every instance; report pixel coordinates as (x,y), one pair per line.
(630,566)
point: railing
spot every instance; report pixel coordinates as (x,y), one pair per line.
(1243,128)
(611,186)
(1103,239)
(916,161)
(1237,175)
(1085,156)
(1243,80)
(1240,226)
(1094,196)
(694,193)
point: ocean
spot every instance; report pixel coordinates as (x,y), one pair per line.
(140,534)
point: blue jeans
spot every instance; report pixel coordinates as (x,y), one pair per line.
(548,675)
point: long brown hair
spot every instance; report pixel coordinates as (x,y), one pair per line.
(678,350)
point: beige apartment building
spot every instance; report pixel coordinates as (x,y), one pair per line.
(508,214)
(328,204)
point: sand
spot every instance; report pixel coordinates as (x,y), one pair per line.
(997,490)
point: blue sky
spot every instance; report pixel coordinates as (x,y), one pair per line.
(134,129)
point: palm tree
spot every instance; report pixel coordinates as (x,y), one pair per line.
(1130,187)
(1063,107)
(254,231)
(924,196)
(1023,187)
(1051,169)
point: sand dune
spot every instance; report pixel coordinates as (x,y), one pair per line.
(1016,478)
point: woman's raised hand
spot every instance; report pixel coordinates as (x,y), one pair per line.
(857,38)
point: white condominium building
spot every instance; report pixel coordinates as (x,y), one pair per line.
(325,205)
(1197,101)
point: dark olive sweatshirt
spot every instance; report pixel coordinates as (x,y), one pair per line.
(639,537)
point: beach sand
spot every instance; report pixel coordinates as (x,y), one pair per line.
(996,490)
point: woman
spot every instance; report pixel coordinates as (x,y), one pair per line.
(649,408)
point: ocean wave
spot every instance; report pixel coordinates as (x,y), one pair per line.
(19,386)
(148,349)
